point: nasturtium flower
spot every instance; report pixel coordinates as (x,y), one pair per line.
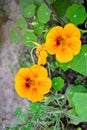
(32,83)
(64,42)
(41,54)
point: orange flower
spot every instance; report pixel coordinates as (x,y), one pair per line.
(63,42)
(32,83)
(41,54)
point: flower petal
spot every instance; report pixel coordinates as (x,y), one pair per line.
(64,54)
(34,95)
(71,30)
(43,85)
(75,44)
(52,37)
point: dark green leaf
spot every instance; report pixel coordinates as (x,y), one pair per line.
(43,13)
(21,23)
(80,103)
(57,83)
(60,7)
(14,35)
(29,11)
(76,14)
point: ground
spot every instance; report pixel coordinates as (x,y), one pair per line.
(9,53)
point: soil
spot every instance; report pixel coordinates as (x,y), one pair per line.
(9,56)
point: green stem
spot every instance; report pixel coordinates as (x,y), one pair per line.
(83,31)
(31,53)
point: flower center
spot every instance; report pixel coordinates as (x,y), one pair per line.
(29,82)
(61,41)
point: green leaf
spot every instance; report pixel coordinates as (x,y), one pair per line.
(60,7)
(27,126)
(43,13)
(76,14)
(73,89)
(79,62)
(23,4)
(14,35)
(17,111)
(35,106)
(80,103)
(29,11)
(29,36)
(24,116)
(21,23)
(58,83)
(38,28)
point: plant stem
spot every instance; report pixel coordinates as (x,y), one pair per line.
(83,31)
(31,53)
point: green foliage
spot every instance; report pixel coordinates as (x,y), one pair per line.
(38,18)
(79,62)
(74,89)
(29,11)
(60,7)
(27,126)
(57,83)
(14,35)
(43,13)
(29,36)
(21,23)
(18,111)
(38,28)
(80,103)
(76,14)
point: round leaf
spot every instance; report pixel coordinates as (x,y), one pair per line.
(73,89)
(79,62)
(24,116)
(27,126)
(35,106)
(80,103)
(18,111)
(21,23)
(29,36)
(43,13)
(29,11)
(76,14)
(58,83)
(14,35)
(39,28)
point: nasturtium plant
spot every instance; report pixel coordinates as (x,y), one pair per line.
(18,111)
(28,37)
(29,11)
(60,7)
(76,14)
(43,13)
(23,4)
(27,126)
(74,89)
(35,106)
(80,103)
(38,28)
(14,35)
(79,62)
(21,23)
(58,83)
